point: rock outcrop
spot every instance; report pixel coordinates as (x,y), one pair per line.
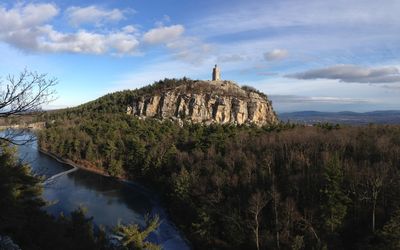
(206,102)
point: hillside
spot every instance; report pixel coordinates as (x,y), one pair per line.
(207,102)
(303,187)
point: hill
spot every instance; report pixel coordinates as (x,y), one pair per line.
(230,186)
(194,101)
(344,117)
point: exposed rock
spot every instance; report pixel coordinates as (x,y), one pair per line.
(206,102)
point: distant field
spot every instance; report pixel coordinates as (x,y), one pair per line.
(345,117)
(20,119)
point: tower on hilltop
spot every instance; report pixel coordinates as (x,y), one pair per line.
(216,74)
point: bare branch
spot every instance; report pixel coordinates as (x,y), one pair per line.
(17,136)
(23,94)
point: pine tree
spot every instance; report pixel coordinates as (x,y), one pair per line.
(334,200)
(391,232)
(136,239)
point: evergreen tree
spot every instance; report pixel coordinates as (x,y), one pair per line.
(134,238)
(391,232)
(334,200)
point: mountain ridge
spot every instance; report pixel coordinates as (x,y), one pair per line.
(343,117)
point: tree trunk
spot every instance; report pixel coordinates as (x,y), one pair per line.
(373,215)
(374,201)
(256,232)
(275,198)
(276,225)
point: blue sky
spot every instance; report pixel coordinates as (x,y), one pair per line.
(306,55)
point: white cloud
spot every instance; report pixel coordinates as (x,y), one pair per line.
(352,73)
(186,48)
(276,54)
(256,15)
(313,31)
(27,28)
(290,103)
(88,42)
(129,29)
(190,49)
(231,58)
(93,15)
(123,43)
(317,99)
(163,34)
(394,86)
(325,95)
(19,25)
(80,42)
(25,16)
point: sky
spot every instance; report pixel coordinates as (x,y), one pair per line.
(324,55)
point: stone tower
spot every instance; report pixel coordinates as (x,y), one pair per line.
(216,74)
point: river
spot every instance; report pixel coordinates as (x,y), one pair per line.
(107,200)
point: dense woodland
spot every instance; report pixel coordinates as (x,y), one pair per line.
(23,219)
(245,187)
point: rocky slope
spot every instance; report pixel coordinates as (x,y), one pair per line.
(205,102)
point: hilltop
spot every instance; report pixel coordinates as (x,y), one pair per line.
(213,179)
(194,101)
(205,102)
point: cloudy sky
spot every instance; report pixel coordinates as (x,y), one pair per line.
(325,55)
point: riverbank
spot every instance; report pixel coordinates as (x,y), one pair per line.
(153,197)
(76,165)
(31,126)
(121,179)
(106,200)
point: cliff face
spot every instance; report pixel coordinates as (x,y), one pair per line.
(206,102)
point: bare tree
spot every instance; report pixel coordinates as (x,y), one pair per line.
(24,94)
(275,198)
(373,182)
(257,202)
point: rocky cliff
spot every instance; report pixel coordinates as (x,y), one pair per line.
(205,102)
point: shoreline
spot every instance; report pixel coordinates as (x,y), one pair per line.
(75,165)
(126,181)
(151,194)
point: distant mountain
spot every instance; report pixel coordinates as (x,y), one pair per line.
(343,117)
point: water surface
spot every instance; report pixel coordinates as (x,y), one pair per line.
(107,200)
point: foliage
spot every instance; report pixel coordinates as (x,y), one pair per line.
(236,187)
(22,218)
(334,200)
(391,232)
(135,239)
(254,90)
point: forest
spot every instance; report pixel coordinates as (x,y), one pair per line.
(284,186)
(23,218)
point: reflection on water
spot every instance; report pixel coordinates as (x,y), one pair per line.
(40,164)
(108,201)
